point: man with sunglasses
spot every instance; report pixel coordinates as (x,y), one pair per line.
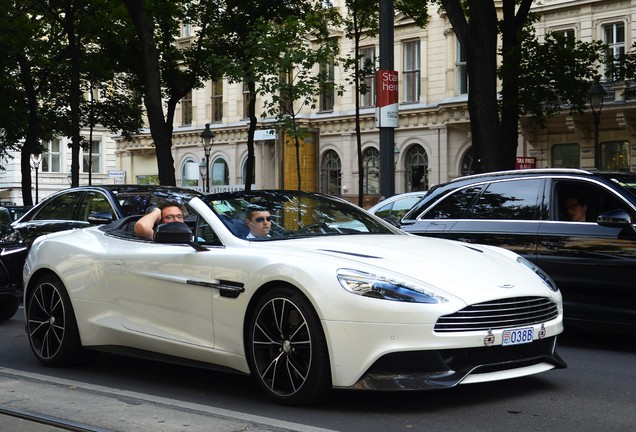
(259,221)
(165,213)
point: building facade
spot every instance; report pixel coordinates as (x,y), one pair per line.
(432,141)
(569,140)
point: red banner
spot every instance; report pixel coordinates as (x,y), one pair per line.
(386,98)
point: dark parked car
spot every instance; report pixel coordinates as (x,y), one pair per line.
(9,214)
(531,212)
(79,207)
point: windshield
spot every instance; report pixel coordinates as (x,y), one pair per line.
(268,215)
(627,181)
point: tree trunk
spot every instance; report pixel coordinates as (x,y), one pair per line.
(479,40)
(494,139)
(361,172)
(30,140)
(76,97)
(160,129)
(511,51)
(249,166)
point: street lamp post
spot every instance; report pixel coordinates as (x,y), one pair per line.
(35,163)
(595,94)
(202,170)
(207,136)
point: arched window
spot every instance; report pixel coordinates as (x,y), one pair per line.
(189,173)
(416,169)
(244,172)
(330,174)
(371,164)
(219,172)
(467,167)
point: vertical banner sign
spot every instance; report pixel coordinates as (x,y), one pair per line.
(308,160)
(386,98)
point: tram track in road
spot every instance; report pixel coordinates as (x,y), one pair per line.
(47,398)
(46,420)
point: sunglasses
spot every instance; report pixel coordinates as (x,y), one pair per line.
(262,219)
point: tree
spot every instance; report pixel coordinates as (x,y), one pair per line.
(28,65)
(54,53)
(243,37)
(476,28)
(545,92)
(494,121)
(69,16)
(361,22)
(623,69)
(167,73)
(289,81)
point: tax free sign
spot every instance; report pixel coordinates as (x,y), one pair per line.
(386,98)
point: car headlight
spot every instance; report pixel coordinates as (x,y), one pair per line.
(542,275)
(370,285)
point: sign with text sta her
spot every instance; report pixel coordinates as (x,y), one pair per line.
(386,98)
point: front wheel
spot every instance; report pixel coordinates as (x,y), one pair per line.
(50,324)
(286,348)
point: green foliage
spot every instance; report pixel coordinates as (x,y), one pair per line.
(555,74)
(624,69)
(290,75)
(361,22)
(414,9)
(28,62)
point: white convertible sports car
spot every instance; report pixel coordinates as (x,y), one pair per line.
(333,297)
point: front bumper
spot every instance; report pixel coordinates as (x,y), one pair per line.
(385,356)
(439,369)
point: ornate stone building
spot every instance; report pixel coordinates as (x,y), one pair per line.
(432,141)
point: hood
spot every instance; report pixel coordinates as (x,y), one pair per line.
(465,270)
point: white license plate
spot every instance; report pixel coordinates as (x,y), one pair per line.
(517,336)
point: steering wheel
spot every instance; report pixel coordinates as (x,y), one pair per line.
(319,227)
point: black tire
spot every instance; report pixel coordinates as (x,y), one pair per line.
(8,307)
(51,325)
(286,349)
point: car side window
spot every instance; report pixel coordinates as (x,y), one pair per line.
(509,200)
(206,235)
(95,202)
(453,206)
(398,208)
(60,208)
(590,198)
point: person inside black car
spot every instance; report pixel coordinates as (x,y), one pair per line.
(575,208)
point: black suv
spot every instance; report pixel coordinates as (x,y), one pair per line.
(533,212)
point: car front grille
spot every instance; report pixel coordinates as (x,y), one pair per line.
(498,314)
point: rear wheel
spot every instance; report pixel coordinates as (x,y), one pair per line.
(51,325)
(287,349)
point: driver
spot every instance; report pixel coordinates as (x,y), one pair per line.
(165,213)
(259,221)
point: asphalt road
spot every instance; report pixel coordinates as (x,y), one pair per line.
(597,392)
